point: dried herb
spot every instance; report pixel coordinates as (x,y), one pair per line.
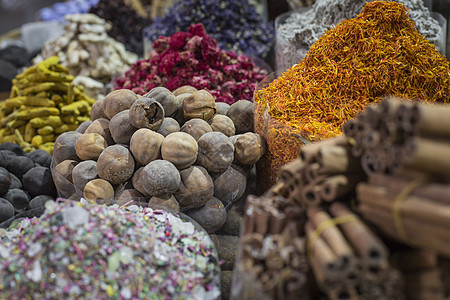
(358,62)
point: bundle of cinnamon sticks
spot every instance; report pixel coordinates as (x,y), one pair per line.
(272,262)
(324,172)
(422,274)
(347,259)
(401,134)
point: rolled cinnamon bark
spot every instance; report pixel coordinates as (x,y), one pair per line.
(334,239)
(343,293)
(337,159)
(431,119)
(337,186)
(415,207)
(367,245)
(311,195)
(292,172)
(308,152)
(429,156)
(311,172)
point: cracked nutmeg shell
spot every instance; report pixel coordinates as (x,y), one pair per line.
(146,113)
(200,104)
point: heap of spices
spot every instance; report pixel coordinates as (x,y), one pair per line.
(302,28)
(236,25)
(356,63)
(127,24)
(194,58)
(77,250)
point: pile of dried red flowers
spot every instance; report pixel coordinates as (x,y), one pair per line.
(194,58)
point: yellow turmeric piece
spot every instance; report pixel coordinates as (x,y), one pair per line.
(43,103)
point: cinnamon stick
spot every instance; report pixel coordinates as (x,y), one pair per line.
(334,238)
(434,191)
(312,172)
(429,156)
(337,186)
(366,244)
(311,195)
(308,152)
(336,159)
(343,293)
(419,208)
(322,259)
(431,119)
(291,173)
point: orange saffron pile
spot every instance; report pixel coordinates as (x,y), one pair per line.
(356,63)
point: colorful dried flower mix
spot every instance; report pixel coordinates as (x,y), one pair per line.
(236,25)
(194,58)
(84,251)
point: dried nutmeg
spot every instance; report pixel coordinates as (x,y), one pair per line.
(211,216)
(101,126)
(160,177)
(164,202)
(196,128)
(179,148)
(97,111)
(168,126)
(215,151)
(222,108)
(196,187)
(185,89)
(121,128)
(117,101)
(146,113)
(222,124)
(115,164)
(138,182)
(145,144)
(200,104)
(166,98)
(99,190)
(65,147)
(249,148)
(90,145)
(242,114)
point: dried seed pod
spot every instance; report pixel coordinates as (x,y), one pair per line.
(62,177)
(115,164)
(164,202)
(200,104)
(185,89)
(83,126)
(211,216)
(101,126)
(179,148)
(222,108)
(146,113)
(215,152)
(90,145)
(84,172)
(99,190)
(166,98)
(64,148)
(121,128)
(138,181)
(249,148)
(160,177)
(145,144)
(242,114)
(230,185)
(97,111)
(196,187)
(179,116)
(196,128)
(128,195)
(222,124)
(168,126)
(117,101)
